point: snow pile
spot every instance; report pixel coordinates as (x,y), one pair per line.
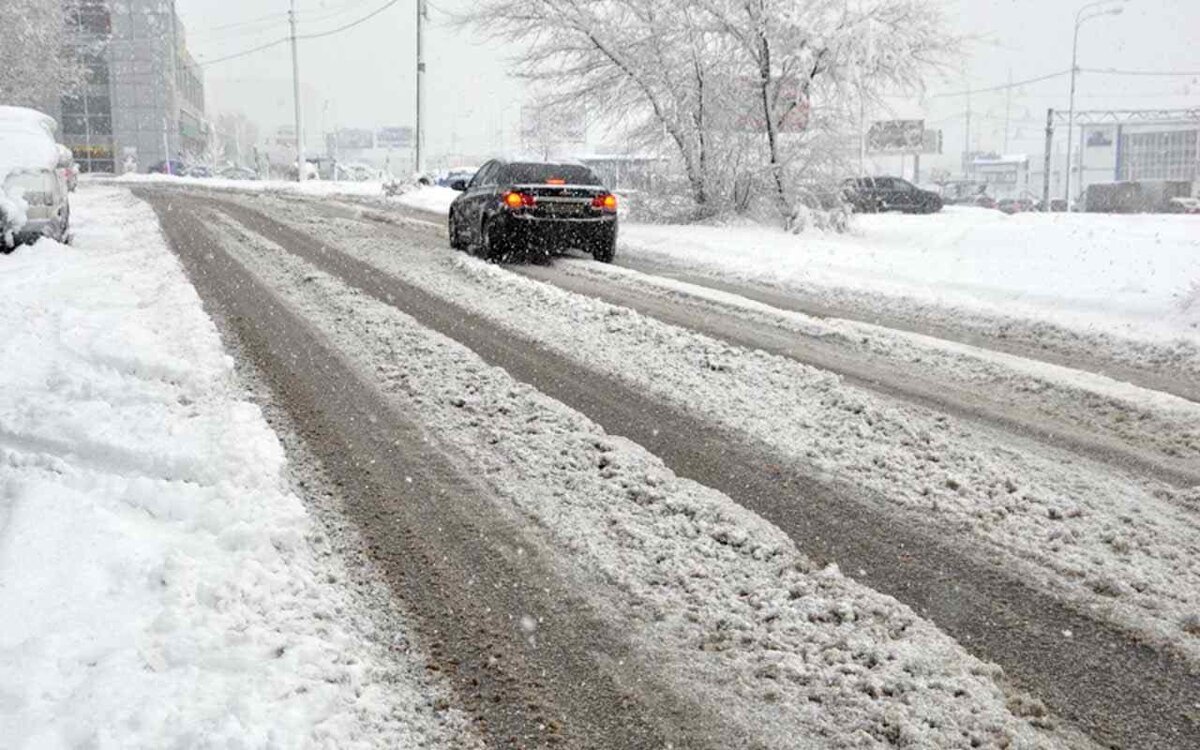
(717,596)
(1127,275)
(434,199)
(313,188)
(157,583)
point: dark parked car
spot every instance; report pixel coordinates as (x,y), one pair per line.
(871,194)
(510,207)
(176,167)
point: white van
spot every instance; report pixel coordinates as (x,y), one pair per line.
(33,178)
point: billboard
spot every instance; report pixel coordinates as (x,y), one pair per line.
(896,137)
(399,136)
(353,138)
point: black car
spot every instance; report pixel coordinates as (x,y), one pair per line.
(511,207)
(871,194)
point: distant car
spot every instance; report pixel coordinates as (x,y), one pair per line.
(237,173)
(872,194)
(455,174)
(514,206)
(1183,205)
(979,200)
(1017,205)
(169,167)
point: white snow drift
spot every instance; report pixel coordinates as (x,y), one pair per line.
(157,583)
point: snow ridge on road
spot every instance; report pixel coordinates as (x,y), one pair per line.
(1124,548)
(723,599)
(160,585)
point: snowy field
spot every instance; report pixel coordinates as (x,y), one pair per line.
(1135,276)
(160,585)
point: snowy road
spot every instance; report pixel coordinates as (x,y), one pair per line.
(1057,539)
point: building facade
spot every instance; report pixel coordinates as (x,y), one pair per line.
(143,99)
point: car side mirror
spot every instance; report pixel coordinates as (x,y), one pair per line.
(459,185)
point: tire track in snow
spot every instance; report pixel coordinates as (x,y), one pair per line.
(1115,687)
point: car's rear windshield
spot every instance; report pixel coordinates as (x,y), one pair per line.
(532,174)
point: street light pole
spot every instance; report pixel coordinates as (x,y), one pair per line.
(300,165)
(419,156)
(1080,19)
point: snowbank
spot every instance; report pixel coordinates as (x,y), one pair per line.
(1130,275)
(157,585)
(436,199)
(316,188)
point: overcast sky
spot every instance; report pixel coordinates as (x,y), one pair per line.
(365,76)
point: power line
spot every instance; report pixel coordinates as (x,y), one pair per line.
(315,35)
(1111,71)
(244,53)
(350,25)
(1001,87)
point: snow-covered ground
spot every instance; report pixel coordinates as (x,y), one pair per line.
(1136,276)
(1120,546)
(160,585)
(314,188)
(715,595)
(435,199)
(1129,276)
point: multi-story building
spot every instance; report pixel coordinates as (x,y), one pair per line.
(143,100)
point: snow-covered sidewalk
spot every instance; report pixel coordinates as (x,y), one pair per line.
(1134,277)
(159,583)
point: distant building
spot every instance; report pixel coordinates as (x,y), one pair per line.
(1004,176)
(144,98)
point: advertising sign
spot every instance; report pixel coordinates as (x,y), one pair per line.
(896,137)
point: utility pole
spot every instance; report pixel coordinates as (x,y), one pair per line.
(1080,18)
(1007,108)
(300,165)
(419,161)
(967,145)
(862,133)
(1046,159)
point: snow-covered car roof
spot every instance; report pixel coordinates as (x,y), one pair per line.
(26,149)
(30,117)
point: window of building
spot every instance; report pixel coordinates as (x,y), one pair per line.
(1159,156)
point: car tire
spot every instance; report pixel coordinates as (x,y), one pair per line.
(605,250)
(491,247)
(456,241)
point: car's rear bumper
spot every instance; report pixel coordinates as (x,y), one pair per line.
(551,233)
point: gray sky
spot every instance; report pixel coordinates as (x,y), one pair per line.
(366,74)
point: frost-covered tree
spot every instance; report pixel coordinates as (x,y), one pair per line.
(756,97)
(803,59)
(35,66)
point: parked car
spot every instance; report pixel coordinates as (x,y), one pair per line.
(514,206)
(979,200)
(173,166)
(1184,205)
(33,178)
(871,194)
(454,174)
(1017,205)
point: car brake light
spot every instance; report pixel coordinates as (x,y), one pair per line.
(606,202)
(515,200)
(556,181)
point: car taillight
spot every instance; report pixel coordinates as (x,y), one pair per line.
(515,200)
(606,202)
